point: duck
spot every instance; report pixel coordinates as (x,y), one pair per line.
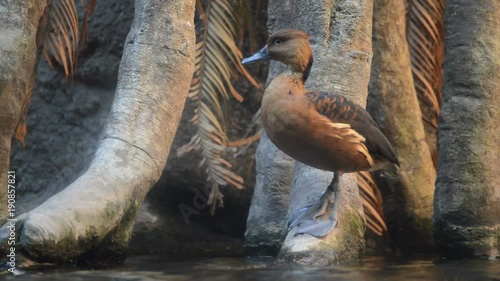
(321,129)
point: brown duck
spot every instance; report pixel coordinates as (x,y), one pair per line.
(320,129)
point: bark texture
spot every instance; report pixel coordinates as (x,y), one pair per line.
(19,21)
(270,200)
(394,105)
(93,217)
(341,39)
(467,198)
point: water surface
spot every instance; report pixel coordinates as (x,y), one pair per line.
(234,269)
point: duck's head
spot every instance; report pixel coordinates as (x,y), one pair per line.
(289,46)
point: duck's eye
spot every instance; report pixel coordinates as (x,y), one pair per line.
(278,41)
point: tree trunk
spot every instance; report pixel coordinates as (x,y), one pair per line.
(467,198)
(394,105)
(270,200)
(341,39)
(19,21)
(93,217)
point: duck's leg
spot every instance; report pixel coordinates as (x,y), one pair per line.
(308,219)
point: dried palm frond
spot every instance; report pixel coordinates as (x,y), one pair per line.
(372,203)
(217,63)
(248,23)
(59,39)
(426,44)
(21,130)
(63,39)
(89,7)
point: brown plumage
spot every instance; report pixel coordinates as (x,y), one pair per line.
(321,129)
(341,110)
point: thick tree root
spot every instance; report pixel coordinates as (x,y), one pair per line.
(345,242)
(91,220)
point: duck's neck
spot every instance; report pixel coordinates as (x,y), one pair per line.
(305,74)
(301,72)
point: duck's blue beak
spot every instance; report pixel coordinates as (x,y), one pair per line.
(259,56)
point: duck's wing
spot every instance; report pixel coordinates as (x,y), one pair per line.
(341,110)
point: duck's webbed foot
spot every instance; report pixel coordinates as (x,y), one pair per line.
(308,220)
